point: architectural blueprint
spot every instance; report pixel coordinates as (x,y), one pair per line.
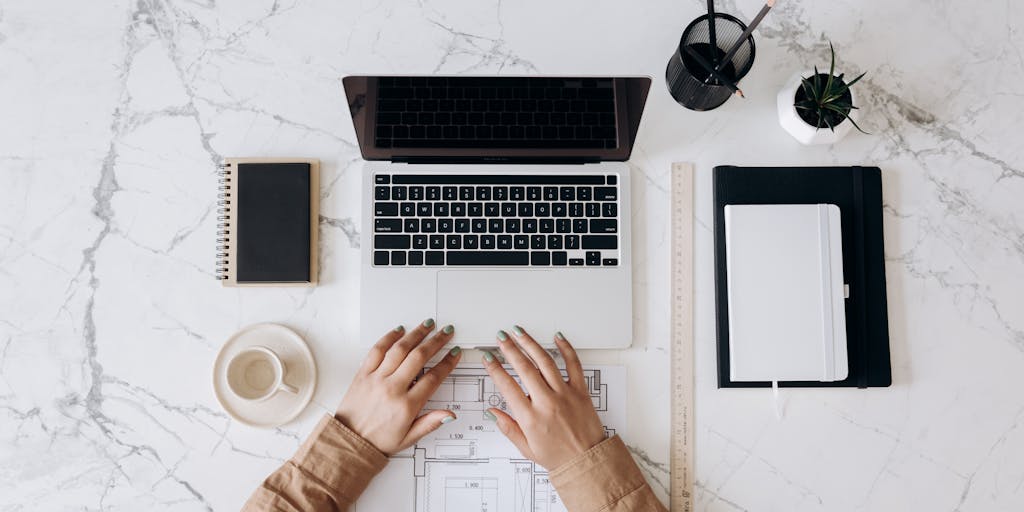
(468,465)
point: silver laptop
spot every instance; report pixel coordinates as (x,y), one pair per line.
(498,201)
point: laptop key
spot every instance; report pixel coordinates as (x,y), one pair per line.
(526,209)
(470,241)
(382,193)
(385,209)
(391,241)
(551,193)
(605,193)
(593,258)
(437,241)
(540,258)
(563,226)
(479,225)
(387,225)
(554,241)
(529,225)
(399,193)
(567,193)
(609,210)
(559,258)
(559,209)
(476,209)
(407,209)
(435,258)
(610,262)
(504,242)
(600,242)
(415,257)
(441,209)
(424,209)
(380,257)
(495,226)
(428,225)
(521,241)
(433,193)
(593,210)
(576,209)
(416,193)
(453,242)
(483,193)
(584,193)
(458,209)
(382,179)
(497,258)
(466,193)
(604,226)
(533,193)
(512,225)
(445,225)
(508,209)
(398,257)
(450,193)
(542,209)
(500,193)
(547,225)
(576,262)
(462,225)
(572,242)
(537,242)
(517,193)
(419,242)
(487,242)
(492,209)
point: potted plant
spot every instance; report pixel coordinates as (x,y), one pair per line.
(816,108)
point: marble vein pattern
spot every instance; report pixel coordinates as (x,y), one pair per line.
(115,114)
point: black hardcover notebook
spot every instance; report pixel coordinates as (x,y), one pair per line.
(268,215)
(858,193)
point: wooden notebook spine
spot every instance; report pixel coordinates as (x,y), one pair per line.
(224,175)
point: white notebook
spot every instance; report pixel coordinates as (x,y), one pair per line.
(787,317)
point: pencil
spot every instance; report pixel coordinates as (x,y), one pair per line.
(746,33)
(714,72)
(711,32)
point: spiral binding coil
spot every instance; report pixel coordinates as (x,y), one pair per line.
(223,220)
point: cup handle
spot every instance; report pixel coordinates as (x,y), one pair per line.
(289,388)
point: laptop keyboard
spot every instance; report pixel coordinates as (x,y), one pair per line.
(496,220)
(472,112)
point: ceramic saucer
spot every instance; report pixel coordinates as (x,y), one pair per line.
(300,371)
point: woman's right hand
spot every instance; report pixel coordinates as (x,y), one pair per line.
(557,421)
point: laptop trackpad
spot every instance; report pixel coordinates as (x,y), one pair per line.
(480,302)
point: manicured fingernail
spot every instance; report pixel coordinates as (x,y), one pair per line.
(447,419)
(448,329)
(560,336)
(488,415)
(489,357)
(502,335)
(455,351)
(428,322)
(518,330)
(400,328)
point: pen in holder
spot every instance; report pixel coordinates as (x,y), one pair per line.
(704,70)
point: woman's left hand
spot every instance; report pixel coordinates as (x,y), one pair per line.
(383,403)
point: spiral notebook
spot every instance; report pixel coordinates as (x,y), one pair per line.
(267,220)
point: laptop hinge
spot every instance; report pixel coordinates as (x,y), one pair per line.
(532,160)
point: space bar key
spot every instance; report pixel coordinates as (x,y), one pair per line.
(488,258)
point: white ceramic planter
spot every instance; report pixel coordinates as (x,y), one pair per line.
(797,127)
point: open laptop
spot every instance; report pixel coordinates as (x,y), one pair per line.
(498,201)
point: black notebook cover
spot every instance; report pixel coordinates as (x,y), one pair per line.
(858,193)
(273,225)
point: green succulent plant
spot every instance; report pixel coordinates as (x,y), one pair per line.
(826,102)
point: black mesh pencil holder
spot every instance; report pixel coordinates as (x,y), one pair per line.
(689,82)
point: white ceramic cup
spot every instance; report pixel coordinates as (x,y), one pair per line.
(256,374)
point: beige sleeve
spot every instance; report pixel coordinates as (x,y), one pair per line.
(330,470)
(604,478)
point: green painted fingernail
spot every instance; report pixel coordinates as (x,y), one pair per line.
(448,329)
(502,335)
(455,351)
(488,415)
(489,357)
(560,336)
(428,322)
(447,419)
(518,330)
(400,328)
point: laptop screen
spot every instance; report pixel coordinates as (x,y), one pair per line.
(589,118)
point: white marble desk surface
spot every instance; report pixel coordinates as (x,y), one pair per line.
(114,114)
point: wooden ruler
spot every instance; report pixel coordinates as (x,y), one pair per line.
(681,461)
